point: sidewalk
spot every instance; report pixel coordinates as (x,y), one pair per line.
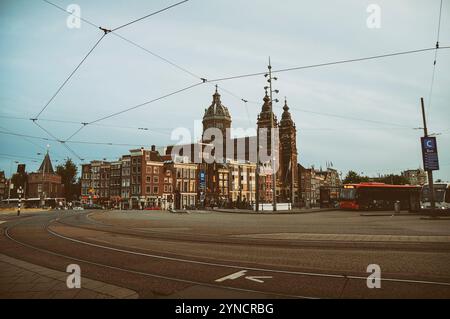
(22,280)
(285,212)
(359,238)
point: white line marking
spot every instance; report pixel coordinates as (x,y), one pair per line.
(258,278)
(250,268)
(152,275)
(234,276)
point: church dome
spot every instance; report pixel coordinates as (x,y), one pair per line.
(217,111)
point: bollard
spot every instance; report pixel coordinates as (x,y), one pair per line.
(397,207)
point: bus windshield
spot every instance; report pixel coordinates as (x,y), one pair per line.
(439,193)
(348,193)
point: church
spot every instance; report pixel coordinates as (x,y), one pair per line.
(230,179)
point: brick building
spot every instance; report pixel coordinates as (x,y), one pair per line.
(147,178)
(115,182)
(44,184)
(416,176)
(3,186)
(143,178)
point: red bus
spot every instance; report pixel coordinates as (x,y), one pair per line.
(379,196)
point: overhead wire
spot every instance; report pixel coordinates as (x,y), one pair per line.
(433,75)
(214,80)
(69,77)
(150,15)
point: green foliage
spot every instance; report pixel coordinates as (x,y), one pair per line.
(354,178)
(68,172)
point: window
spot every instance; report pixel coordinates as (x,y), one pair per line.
(148,179)
(155,189)
(155,170)
(148,190)
(155,179)
(192,173)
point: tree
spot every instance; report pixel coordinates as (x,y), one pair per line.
(68,172)
(395,180)
(354,178)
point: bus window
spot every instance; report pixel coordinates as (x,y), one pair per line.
(439,193)
(348,193)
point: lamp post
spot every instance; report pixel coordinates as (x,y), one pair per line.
(272,151)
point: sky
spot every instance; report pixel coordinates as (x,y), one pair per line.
(361,116)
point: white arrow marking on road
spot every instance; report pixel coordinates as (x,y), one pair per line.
(233,276)
(258,278)
(242,273)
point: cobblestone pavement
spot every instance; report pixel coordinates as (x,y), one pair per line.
(22,280)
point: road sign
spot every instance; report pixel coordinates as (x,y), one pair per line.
(202,180)
(430,154)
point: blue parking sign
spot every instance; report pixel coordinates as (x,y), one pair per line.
(430,154)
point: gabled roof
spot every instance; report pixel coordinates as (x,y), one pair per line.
(46,166)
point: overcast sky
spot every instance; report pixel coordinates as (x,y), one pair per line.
(376,104)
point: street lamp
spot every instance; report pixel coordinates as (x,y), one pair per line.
(270,80)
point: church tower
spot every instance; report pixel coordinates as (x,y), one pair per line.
(216,116)
(265,120)
(288,177)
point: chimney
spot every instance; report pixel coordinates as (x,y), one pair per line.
(153,148)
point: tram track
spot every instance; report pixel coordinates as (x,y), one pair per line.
(46,227)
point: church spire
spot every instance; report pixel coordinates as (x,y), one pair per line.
(46,166)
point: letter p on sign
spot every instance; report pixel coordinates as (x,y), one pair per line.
(74,279)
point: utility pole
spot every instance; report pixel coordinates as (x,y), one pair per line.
(292,182)
(257,171)
(272,151)
(429,172)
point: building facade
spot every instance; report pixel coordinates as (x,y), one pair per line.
(145,179)
(3,186)
(416,176)
(45,184)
